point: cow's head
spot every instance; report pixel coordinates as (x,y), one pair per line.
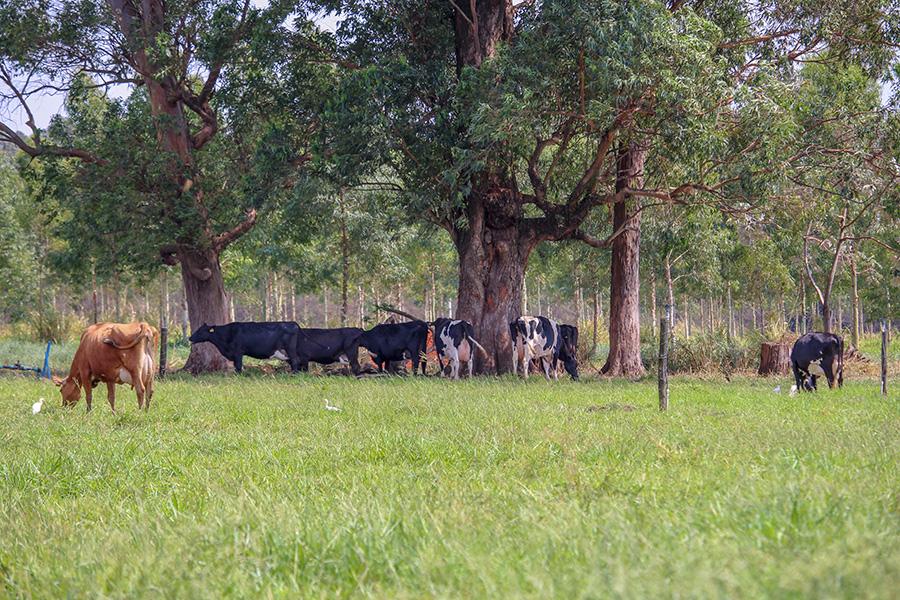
(70,390)
(568,349)
(205,333)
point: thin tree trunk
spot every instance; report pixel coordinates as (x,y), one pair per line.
(596,319)
(670,290)
(731,331)
(686,315)
(325,301)
(653,302)
(624,309)
(854,303)
(345,262)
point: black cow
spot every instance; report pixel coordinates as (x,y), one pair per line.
(816,354)
(257,340)
(327,346)
(568,350)
(391,342)
(454,341)
(535,337)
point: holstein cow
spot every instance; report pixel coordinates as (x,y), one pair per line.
(817,354)
(568,350)
(535,337)
(113,353)
(327,346)
(391,342)
(454,341)
(276,339)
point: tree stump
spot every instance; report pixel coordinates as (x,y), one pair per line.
(774,358)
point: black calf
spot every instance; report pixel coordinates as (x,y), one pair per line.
(391,342)
(256,340)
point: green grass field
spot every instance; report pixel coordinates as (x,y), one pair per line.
(247,486)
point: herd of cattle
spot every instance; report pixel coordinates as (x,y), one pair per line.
(115,353)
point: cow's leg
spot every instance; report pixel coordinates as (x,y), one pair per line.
(515,357)
(238,361)
(471,362)
(526,360)
(88,386)
(138,379)
(352,352)
(148,390)
(454,357)
(798,378)
(111,395)
(829,373)
(546,364)
(414,354)
(812,382)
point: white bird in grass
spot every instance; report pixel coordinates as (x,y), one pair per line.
(777,389)
(330,407)
(793,390)
(37,406)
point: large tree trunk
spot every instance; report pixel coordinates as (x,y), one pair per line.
(493,253)
(201,275)
(624,300)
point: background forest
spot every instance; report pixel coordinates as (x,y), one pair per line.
(592,162)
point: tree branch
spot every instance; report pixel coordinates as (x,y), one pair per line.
(224,239)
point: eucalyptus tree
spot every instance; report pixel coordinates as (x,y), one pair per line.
(508,123)
(848,178)
(190,161)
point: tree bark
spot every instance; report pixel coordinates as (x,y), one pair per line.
(204,290)
(670,290)
(653,302)
(774,358)
(345,262)
(854,279)
(493,253)
(624,307)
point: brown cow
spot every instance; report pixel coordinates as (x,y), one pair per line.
(112,353)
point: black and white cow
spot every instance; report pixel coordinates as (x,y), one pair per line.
(327,346)
(391,342)
(454,341)
(568,350)
(276,339)
(535,337)
(817,354)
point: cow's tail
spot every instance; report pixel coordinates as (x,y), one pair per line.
(121,344)
(471,339)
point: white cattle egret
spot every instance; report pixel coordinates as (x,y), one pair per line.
(793,390)
(777,389)
(37,406)
(330,407)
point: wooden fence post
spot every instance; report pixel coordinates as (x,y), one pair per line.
(883,358)
(664,360)
(163,350)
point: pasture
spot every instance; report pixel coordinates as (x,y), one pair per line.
(247,486)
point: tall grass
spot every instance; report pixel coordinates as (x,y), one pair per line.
(247,486)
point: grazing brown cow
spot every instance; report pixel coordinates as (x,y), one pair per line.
(112,353)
